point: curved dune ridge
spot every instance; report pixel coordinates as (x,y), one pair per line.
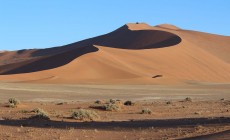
(132,54)
(168,26)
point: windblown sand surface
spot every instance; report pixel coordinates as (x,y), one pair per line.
(132,54)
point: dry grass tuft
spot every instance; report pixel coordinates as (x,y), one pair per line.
(40,114)
(188,99)
(146,111)
(112,107)
(13,102)
(83,114)
(129,103)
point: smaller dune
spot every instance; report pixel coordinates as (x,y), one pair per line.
(168,26)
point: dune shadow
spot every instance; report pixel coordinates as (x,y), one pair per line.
(144,124)
(48,62)
(124,38)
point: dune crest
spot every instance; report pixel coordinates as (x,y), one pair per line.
(132,54)
(168,26)
(137,26)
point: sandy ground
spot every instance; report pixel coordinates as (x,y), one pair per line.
(206,117)
(52,92)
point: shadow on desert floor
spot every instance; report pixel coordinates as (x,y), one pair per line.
(132,124)
(225,135)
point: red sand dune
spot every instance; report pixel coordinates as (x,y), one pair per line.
(132,54)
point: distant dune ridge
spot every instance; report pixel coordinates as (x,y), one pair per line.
(136,53)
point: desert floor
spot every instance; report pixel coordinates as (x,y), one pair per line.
(207,116)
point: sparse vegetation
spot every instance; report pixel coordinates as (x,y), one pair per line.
(83,114)
(40,114)
(113,101)
(37,110)
(197,113)
(61,103)
(168,102)
(74,118)
(98,102)
(12,105)
(129,103)
(13,102)
(188,99)
(146,111)
(112,107)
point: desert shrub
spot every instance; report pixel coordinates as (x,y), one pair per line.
(188,99)
(12,105)
(197,113)
(13,102)
(40,114)
(119,102)
(37,110)
(129,103)
(168,102)
(112,107)
(83,114)
(98,102)
(146,111)
(62,103)
(113,101)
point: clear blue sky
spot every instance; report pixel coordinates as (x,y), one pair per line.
(47,23)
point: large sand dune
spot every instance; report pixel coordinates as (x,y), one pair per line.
(132,54)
